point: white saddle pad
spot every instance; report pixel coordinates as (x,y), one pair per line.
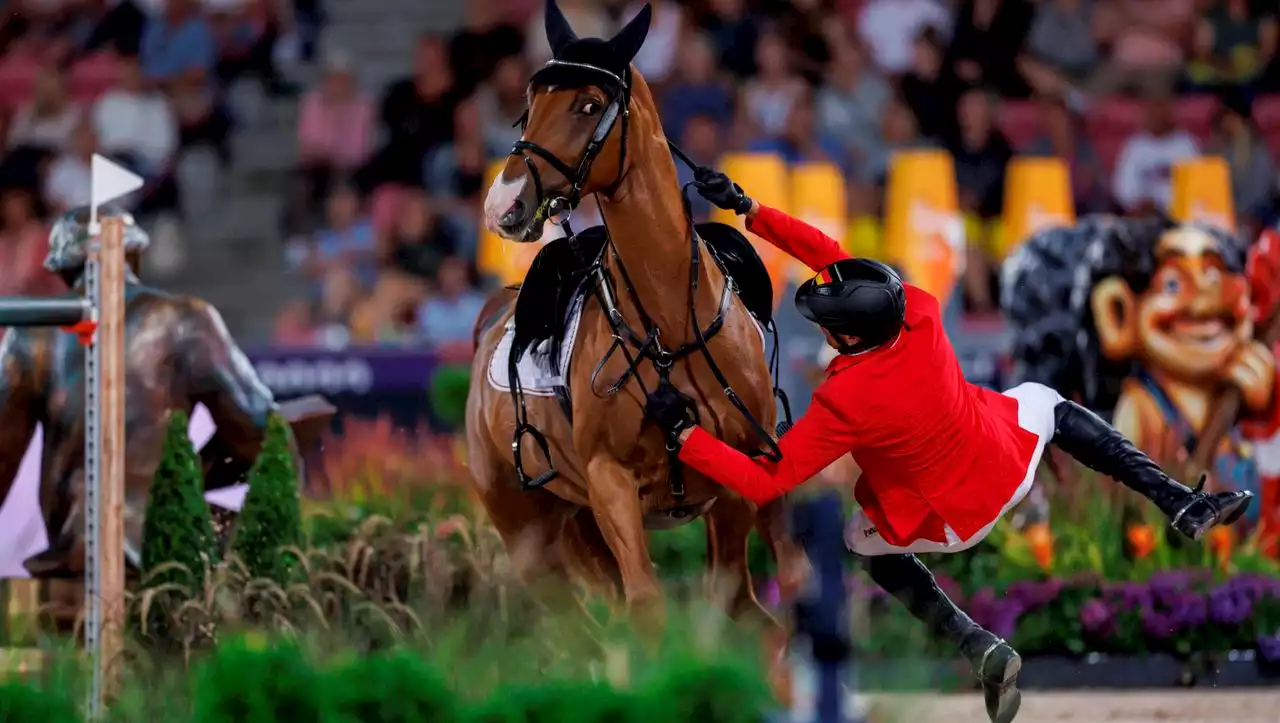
(534,370)
(536,376)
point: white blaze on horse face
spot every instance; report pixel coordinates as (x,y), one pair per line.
(502,195)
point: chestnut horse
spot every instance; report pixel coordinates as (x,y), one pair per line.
(592,127)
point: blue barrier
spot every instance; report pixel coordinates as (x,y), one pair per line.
(822,611)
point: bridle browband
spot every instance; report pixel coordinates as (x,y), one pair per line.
(634,346)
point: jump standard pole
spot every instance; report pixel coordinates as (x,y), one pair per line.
(98,320)
(104,460)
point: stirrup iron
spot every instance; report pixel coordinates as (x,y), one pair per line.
(517,444)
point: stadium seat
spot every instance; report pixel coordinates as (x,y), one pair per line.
(1266,112)
(1019,120)
(1114,116)
(1195,115)
(384,206)
(17,80)
(94,75)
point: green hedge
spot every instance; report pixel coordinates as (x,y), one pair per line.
(271,520)
(247,681)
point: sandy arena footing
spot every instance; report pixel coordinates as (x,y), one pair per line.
(1170,706)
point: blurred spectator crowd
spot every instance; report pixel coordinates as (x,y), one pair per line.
(1121,89)
(382,218)
(139,81)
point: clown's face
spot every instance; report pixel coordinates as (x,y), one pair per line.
(1195,314)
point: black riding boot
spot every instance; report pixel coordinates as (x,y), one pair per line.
(1100,447)
(995,662)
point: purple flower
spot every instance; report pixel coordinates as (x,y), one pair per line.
(1254,586)
(1193,611)
(1167,588)
(1129,595)
(1004,619)
(1034,594)
(1096,617)
(1228,606)
(1158,624)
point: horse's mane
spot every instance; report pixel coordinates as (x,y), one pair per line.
(1045,290)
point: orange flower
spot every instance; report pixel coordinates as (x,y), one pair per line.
(1142,540)
(1222,541)
(1041,541)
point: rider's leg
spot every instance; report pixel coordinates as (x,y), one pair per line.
(1100,447)
(901,574)
(994,661)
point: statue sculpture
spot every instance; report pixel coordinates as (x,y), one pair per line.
(1153,323)
(178,354)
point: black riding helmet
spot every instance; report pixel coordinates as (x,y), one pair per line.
(855,297)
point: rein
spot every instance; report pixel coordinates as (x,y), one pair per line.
(635,347)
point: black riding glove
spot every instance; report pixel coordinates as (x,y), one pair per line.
(720,191)
(669,410)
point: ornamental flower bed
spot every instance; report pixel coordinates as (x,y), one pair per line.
(1078,569)
(1174,613)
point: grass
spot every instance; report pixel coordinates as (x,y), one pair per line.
(436,591)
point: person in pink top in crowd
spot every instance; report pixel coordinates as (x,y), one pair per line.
(23,245)
(335,128)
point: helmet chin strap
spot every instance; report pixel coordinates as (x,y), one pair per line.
(858,349)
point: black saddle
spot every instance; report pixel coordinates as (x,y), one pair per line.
(549,289)
(562,266)
(740,261)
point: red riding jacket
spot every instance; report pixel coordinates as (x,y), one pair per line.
(935,450)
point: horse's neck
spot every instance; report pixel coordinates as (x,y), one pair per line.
(647,224)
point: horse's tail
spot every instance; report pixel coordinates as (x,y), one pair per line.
(494,307)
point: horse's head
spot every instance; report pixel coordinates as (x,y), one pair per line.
(575,129)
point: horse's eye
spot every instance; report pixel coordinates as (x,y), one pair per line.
(589,108)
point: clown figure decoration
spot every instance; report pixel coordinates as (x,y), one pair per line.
(1148,321)
(1190,327)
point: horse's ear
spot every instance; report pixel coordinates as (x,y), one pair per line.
(559,32)
(628,40)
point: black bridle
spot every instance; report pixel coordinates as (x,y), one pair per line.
(633,345)
(619,107)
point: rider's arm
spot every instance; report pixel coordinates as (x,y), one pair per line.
(798,239)
(819,438)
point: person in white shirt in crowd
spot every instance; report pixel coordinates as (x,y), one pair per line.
(135,124)
(1143,177)
(67,185)
(889,29)
(657,57)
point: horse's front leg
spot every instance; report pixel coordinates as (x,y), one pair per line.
(615,502)
(793,565)
(728,581)
(729,524)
